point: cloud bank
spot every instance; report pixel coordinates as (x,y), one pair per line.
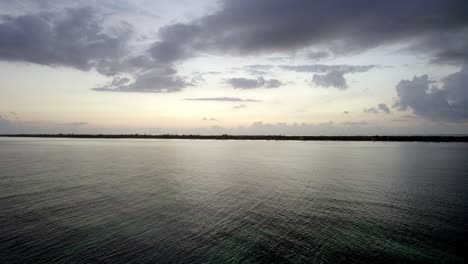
(445,102)
(242,27)
(76,37)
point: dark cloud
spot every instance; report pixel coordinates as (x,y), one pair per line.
(222,99)
(246,83)
(332,79)
(266,26)
(74,38)
(445,47)
(77,38)
(178,42)
(346,112)
(448,102)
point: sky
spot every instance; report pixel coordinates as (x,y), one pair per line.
(296,67)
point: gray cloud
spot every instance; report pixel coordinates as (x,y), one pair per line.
(77,38)
(384,108)
(222,99)
(333,75)
(178,42)
(379,108)
(273,83)
(245,83)
(331,79)
(74,38)
(445,47)
(318,55)
(266,26)
(154,81)
(317,68)
(448,102)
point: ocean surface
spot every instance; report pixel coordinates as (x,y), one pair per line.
(206,201)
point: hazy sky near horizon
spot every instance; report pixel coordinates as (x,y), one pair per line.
(299,67)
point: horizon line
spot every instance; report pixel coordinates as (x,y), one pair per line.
(388,138)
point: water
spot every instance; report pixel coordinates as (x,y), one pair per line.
(184,201)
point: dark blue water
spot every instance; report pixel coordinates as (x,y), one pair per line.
(183,201)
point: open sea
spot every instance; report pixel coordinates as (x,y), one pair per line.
(208,201)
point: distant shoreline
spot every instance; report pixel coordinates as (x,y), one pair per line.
(253,137)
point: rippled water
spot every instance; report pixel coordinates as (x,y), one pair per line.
(183,201)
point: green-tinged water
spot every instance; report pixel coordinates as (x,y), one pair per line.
(204,201)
